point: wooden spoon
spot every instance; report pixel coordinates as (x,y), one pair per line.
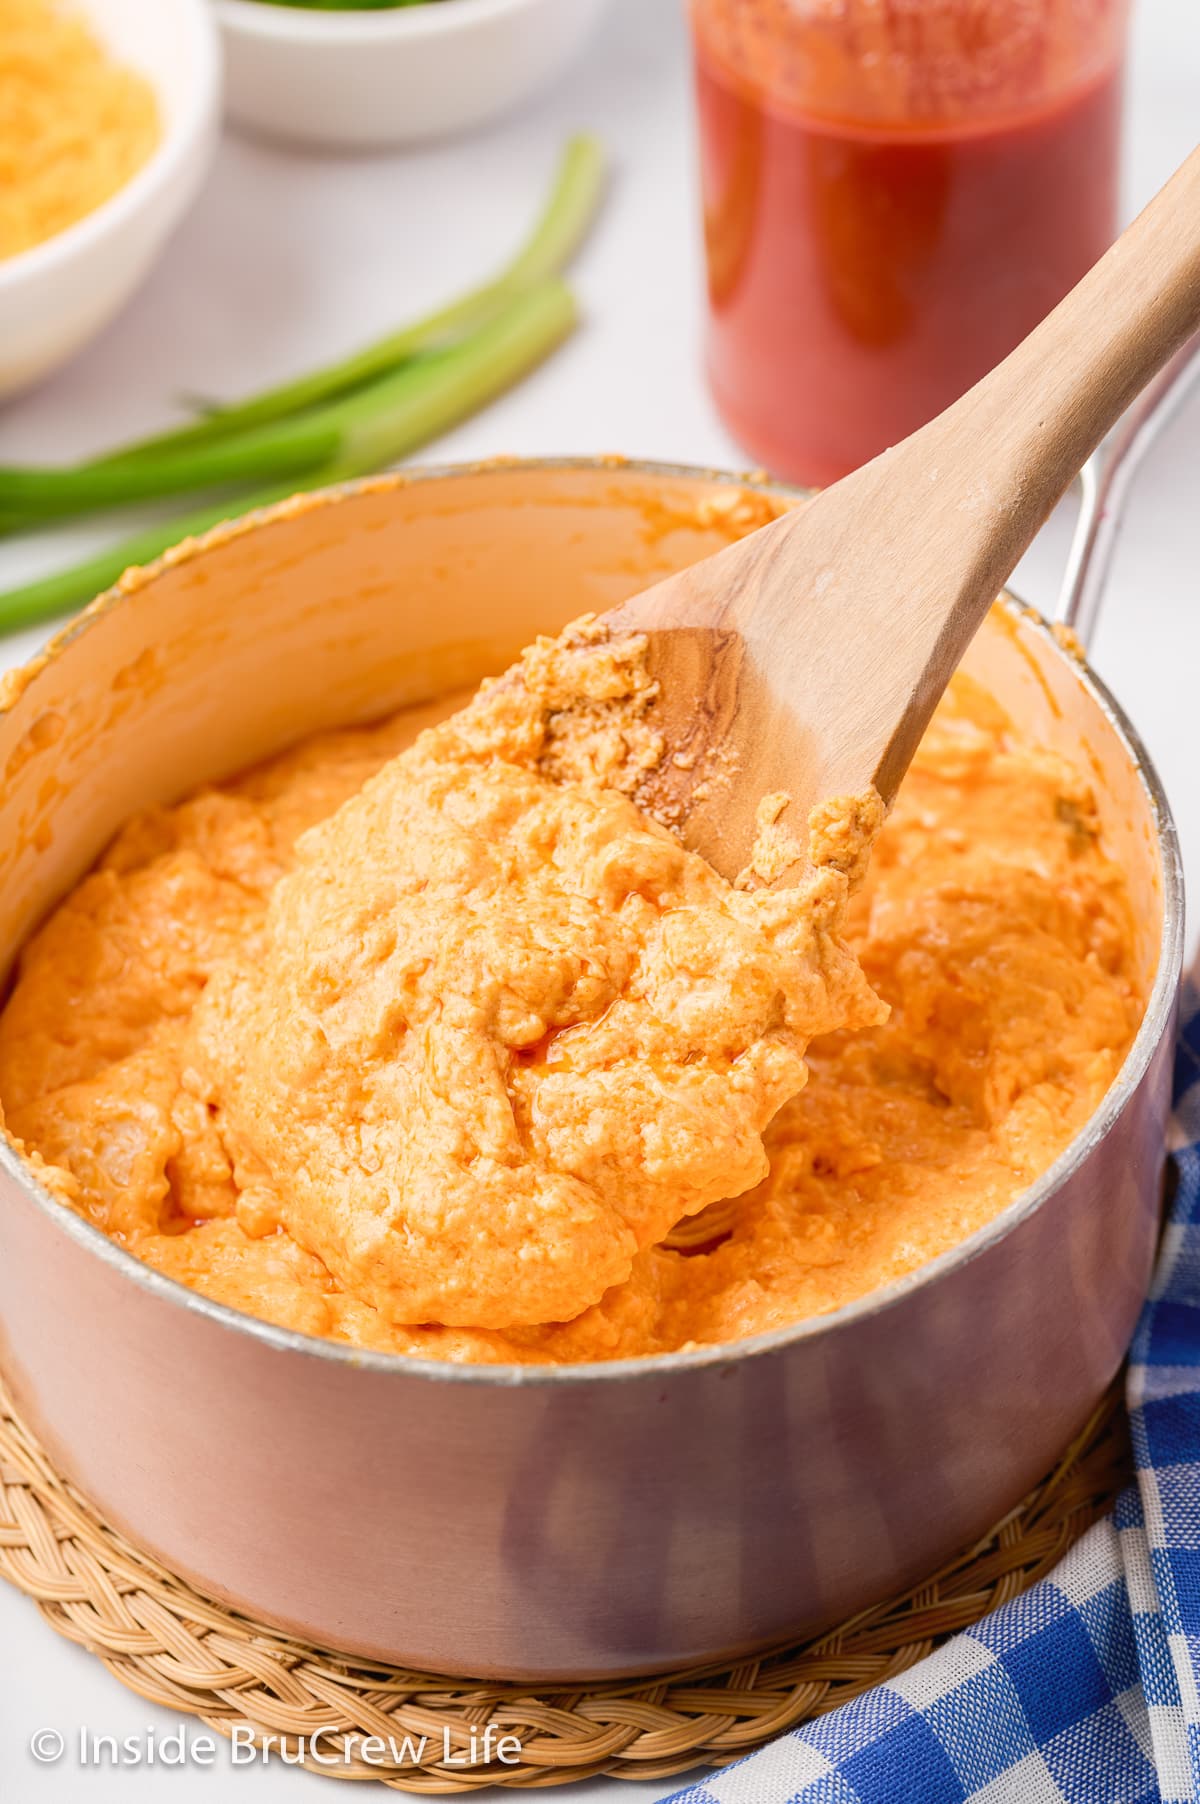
(809,657)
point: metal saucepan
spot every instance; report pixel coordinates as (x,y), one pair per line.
(561,1523)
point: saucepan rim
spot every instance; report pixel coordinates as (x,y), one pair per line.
(647,1367)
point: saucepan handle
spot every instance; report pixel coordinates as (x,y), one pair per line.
(1104,485)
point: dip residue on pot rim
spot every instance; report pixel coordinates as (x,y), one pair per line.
(452,1051)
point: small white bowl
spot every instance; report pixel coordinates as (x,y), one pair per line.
(392,77)
(58,294)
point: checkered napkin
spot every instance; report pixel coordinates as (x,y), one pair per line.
(1086,1690)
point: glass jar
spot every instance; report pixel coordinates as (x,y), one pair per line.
(895,193)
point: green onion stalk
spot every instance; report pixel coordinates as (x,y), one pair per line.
(187,458)
(377,426)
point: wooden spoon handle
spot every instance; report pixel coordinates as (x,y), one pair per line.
(1014,443)
(1108,476)
(808,658)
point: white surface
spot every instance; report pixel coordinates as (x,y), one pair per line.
(56,296)
(289,259)
(393,77)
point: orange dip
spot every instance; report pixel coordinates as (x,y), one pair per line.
(428,1050)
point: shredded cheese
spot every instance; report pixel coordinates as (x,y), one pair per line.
(74,124)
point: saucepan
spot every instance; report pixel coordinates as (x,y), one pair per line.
(527,1522)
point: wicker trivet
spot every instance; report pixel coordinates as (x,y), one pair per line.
(175,1648)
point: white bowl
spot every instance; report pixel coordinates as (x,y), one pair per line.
(392,77)
(57,295)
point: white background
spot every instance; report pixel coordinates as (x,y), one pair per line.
(290,259)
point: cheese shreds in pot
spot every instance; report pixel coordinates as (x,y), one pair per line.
(75,125)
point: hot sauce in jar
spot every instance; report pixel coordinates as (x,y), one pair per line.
(895,193)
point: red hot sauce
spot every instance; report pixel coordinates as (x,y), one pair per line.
(895,193)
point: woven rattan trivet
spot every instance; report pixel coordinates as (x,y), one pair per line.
(174,1647)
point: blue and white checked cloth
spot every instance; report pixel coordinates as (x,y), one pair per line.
(1087,1689)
